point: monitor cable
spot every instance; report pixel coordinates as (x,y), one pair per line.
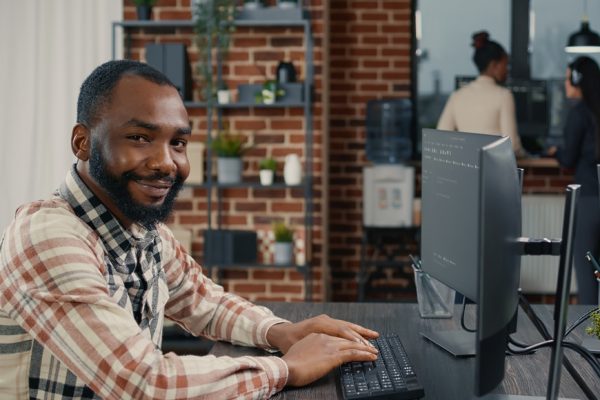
(462,317)
(543,330)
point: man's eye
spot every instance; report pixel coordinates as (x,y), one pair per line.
(180,143)
(137,138)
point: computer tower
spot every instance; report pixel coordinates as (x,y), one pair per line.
(171,59)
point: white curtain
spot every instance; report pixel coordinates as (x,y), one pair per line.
(49,47)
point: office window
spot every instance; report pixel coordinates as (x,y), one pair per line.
(551,22)
(444,30)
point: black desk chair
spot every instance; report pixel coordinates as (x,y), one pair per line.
(383,248)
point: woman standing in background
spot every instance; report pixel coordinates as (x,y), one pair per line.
(483,106)
(581,150)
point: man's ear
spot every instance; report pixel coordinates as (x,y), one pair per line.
(80,142)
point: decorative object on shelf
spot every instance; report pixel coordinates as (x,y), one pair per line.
(287,3)
(292,170)
(253,4)
(214,25)
(286,73)
(144,9)
(289,93)
(267,167)
(269,93)
(284,243)
(230,246)
(195,153)
(229,148)
(223,94)
(285,10)
(172,60)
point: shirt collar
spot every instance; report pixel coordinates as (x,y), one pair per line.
(486,79)
(88,207)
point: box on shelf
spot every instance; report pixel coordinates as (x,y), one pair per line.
(195,153)
(228,246)
(172,60)
(271,14)
(294,93)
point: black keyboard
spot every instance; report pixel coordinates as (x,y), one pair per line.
(391,376)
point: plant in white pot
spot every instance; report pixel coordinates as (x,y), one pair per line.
(284,243)
(267,167)
(229,148)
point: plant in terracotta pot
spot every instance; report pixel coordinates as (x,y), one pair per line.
(229,148)
(144,8)
(267,167)
(284,243)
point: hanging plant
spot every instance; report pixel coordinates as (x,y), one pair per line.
(214,26)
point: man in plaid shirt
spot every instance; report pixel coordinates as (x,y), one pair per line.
(88,275)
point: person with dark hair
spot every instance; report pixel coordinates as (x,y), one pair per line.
(581,150)
(88,275)
(483,106)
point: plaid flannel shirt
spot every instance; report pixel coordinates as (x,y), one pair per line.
(82,303)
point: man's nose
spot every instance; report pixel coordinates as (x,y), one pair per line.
(162,160)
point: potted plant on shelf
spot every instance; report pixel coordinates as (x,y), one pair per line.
(214,26)
(267,167)
(229,148)
(144,9)
(269,93)
(223,94)
(284,246)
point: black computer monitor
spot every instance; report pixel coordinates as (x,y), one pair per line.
(471,222)
(471,240)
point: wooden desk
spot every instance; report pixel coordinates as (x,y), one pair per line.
(443,376)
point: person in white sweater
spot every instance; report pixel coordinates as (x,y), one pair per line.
(483,106)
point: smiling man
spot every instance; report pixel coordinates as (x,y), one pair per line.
(88,275)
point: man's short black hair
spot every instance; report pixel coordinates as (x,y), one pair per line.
(97,88)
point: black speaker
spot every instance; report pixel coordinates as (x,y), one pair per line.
(171,59)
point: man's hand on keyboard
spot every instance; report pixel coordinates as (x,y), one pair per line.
(317,353)
(283,336)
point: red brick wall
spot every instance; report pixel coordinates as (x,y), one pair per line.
(254,55)
(369,59)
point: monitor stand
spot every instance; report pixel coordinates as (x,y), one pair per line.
(459,343)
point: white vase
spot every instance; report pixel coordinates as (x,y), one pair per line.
(292,170)
(266,176)
(283,253)
(223,96)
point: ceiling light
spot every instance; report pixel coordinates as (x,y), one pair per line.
(584,40)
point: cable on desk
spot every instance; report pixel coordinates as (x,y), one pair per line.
(543,330)
(580,320)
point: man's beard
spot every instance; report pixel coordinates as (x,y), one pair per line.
(116,187)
